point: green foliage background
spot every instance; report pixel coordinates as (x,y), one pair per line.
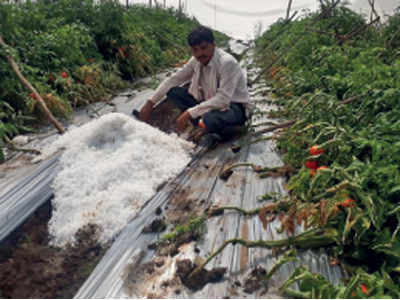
(343,91)
(100,47)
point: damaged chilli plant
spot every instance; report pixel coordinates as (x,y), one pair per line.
(346,97)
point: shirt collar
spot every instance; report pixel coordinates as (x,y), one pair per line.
(213,60)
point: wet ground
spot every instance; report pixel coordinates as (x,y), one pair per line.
(164,117)
(30,268)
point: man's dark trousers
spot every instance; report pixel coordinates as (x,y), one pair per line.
(216,121)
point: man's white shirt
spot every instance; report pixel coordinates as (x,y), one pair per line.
(214,86)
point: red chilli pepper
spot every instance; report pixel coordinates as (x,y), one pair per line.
(312,164)
(315,150)
(347,203)
(364,289)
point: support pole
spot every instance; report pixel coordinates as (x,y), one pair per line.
(288,10)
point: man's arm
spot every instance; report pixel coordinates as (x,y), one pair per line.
(181,76)
(146,111)
(231,74)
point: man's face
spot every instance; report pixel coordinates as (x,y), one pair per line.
(203,52)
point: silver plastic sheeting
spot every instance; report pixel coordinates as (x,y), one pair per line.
(119,274)
(20,201)
(238,48)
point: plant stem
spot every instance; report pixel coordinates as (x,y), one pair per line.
(310,239)
(272,128)
(244,212)
(289,256)
(269,123)
(226,172)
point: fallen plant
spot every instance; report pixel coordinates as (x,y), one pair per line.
(313,238)
(262,171)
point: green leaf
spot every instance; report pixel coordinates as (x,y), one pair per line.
(394,190)
(6,105)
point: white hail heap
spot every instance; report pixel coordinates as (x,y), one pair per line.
(110,167)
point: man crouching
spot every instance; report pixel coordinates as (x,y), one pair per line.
(217,98)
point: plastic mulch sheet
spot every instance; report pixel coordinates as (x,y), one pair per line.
(20,201)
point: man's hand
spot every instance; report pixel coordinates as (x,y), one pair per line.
(146,111)
(183,120)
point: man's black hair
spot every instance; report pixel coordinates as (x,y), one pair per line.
(200,34)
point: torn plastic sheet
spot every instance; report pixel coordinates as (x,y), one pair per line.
(20,201)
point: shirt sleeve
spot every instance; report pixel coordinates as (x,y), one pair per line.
(230,76)
(181,76)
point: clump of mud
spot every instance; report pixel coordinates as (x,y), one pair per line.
(158,225)
(200,279)
(30,268)
(142,271)
(140,277)
(183,206)
(255,280)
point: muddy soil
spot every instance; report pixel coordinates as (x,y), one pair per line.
(256,280)
(182,207)
(143,280)
(30,268)
(164,117)
(198,280)
(157,226)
